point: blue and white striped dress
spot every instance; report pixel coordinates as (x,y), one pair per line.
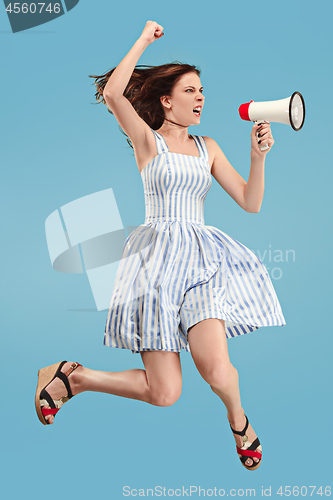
(175,271)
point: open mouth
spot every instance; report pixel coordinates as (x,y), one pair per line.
(197,111)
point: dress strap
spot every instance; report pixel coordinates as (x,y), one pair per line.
(201,144)
(160,143)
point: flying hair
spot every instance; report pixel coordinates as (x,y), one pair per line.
(145,88)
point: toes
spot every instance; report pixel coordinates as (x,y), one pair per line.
(249,462)
(48,418)
(259,450)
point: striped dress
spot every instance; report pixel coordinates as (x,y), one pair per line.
(175,271)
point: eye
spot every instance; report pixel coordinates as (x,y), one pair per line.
(191,90)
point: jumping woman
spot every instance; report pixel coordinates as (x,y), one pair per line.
(180,284)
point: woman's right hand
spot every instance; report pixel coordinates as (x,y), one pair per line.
(129,120)
(152,31)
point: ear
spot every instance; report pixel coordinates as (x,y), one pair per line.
(165,101)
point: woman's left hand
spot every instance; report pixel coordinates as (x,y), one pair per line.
(265,138)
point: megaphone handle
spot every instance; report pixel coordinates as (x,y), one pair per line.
(264,146)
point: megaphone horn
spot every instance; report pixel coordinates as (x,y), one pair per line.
(290,111)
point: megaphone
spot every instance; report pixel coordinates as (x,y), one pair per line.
(290,111)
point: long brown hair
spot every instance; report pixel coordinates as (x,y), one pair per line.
(145,87)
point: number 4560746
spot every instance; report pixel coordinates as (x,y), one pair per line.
(303,491)
(32,8)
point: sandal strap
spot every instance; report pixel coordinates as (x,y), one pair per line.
(63,376)
(50,411)
(254,445)
(64,379)
(250,451)
(45,395)
(241,433)
(72,368)
(248,454)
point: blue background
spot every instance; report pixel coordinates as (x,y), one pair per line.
(56,146)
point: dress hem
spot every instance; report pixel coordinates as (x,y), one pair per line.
(277,322)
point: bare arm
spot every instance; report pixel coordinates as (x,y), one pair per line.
(248,195)
(127,117)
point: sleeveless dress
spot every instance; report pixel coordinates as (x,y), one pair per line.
(175,271)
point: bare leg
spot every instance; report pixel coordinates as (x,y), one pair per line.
(209,351)
(159,384)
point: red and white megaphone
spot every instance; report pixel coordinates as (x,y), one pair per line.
(290,111)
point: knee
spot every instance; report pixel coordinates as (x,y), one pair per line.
(165,396)
(221,376)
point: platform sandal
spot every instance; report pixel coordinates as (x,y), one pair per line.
(42,398)
(248,450)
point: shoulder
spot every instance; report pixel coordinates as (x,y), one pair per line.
(212,146)
(209,141)
(217,157)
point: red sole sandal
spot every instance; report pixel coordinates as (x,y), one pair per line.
(248,450)
(42,398)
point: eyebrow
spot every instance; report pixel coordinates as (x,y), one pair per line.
(191,86)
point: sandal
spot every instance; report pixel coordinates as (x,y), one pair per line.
(42,398)
(248,450)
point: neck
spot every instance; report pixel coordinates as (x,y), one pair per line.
(174,130)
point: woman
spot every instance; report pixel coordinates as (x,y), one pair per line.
(180,284)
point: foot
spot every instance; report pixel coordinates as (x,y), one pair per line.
(57,389)
(238,425)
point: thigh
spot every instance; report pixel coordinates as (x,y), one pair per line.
(163,369)
(208,344)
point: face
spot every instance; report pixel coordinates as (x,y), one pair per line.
(185,104)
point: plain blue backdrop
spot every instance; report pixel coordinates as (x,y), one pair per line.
(56,146)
